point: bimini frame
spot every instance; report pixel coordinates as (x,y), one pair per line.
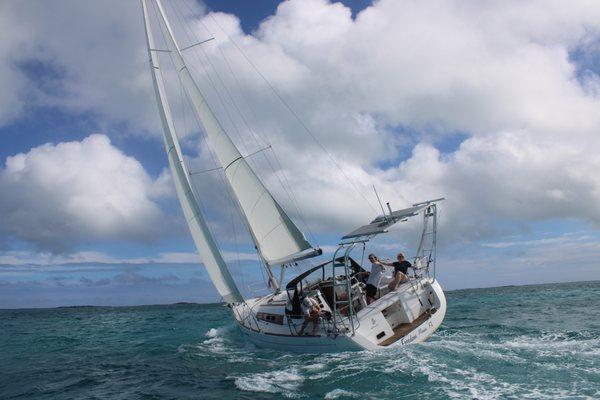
(424,260)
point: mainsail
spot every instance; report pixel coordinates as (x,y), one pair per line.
(277,238)
(215,265)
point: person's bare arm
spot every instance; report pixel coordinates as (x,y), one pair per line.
(382,264)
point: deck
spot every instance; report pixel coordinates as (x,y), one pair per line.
(404,329)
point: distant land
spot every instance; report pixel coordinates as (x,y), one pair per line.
(185,303)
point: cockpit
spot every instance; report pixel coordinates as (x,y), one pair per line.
(329,290)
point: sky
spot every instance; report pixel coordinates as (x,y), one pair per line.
(493,105)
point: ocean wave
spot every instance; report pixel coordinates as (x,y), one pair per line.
(457,364)
(337,393)
(286,382)
(491,351)
(221,343)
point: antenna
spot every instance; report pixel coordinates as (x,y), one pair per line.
(379,200)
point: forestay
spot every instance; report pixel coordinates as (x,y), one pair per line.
(277,238)
(213,261)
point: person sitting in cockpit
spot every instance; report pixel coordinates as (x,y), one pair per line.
(400,271)
(312,313)
(372,287)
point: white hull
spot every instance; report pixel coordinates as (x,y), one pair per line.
(370,323)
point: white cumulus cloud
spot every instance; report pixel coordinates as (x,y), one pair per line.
(59,195)
(384,92)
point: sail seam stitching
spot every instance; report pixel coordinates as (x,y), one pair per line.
(257,201)
(271,231)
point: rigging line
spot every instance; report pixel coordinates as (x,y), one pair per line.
(258,151)
(208,149)
(228,195)
(290,109)
(193,186)
(184,113)
(262,273)
(227,91)
(295,201)
(400,195)
(196,44)
(278,172)
(180,18)
(217,92)
(225,185)
(215,71)
(231,210)
(204,171)
(287,188)
(192,182)
(254,135)
(244,95)
(161,37)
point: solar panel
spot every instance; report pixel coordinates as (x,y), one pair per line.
(382,222)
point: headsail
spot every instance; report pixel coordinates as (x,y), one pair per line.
(215,265)
(277,238)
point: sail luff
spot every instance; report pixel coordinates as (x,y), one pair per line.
(279,240)
(203,239)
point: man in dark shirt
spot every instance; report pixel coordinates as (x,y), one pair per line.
(400,270)
(402,265)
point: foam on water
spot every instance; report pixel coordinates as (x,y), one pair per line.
(341,393)
(487,348)
(213,332)
(286,382)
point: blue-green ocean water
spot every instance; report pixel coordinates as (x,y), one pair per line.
(511,342)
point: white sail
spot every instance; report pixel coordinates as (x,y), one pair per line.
(215,265)
(277,238)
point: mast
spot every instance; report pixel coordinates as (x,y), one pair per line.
(203,239)
(277,238)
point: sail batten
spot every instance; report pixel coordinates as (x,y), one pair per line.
(277,238)
(203,239)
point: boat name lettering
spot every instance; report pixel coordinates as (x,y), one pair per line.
(408,339)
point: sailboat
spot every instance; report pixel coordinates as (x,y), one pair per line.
(345,320)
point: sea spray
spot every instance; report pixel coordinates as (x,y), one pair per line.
(520,342)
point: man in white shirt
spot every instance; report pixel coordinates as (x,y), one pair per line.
(374,278)
(312,312)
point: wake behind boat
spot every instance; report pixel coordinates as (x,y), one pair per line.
(337,287)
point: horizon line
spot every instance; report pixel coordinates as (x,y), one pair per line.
(224,305)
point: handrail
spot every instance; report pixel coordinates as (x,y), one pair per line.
(349,288)
(335,312)
(337,317)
